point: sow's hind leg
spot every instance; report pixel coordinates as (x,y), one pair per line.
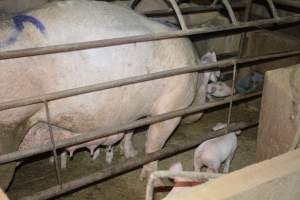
(159,133)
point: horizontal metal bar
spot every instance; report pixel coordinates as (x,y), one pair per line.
(291,3)
(108,85)
(195,176)
(190,10)
(101,133)
(131,164)
(126,81)
(143,38)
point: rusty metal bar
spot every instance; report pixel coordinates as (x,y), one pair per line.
(273,9)
(230,11)
(190,10)
(178,14)
(126,81)
(291,3)
(195,176)
(143,38)
(54,150)
(101,133)
(132,164)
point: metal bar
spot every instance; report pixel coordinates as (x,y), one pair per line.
(109,85)
(101,133)
(231,96)
(273,9)
(167,174)
(143,38)
(243,42)
(291,3)
(133,3)
(126,81)
(54,150)
(214,3)
(230,11)
(190,10)
(131,164)
(178,14)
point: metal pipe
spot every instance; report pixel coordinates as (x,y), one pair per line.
(196,176)
(230,11)
(143,38)
(133,3)
(108,85)
(101,133)
(231,97)
(54,149)
(273,9)
(190,10)
(178,14)
(243,42)
(291,3)
(136,79)
(131,164)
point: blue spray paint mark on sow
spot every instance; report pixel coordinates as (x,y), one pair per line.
(19,21)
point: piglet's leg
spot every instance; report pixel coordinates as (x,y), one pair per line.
(109,154)
(227,163)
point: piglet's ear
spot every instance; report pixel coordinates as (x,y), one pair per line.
(176,167)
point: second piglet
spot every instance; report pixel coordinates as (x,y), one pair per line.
(212,153)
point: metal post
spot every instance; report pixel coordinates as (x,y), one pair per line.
(57,168)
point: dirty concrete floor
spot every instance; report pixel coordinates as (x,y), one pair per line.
(36,176)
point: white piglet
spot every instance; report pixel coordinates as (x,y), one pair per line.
(212,153)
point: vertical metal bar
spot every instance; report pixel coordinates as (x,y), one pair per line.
(178,14)
(273,9)
(133,3)
(231,97)
(244,34)
(57,168)
(230,11)
(214,3)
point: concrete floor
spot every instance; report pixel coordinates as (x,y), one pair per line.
(35,176)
